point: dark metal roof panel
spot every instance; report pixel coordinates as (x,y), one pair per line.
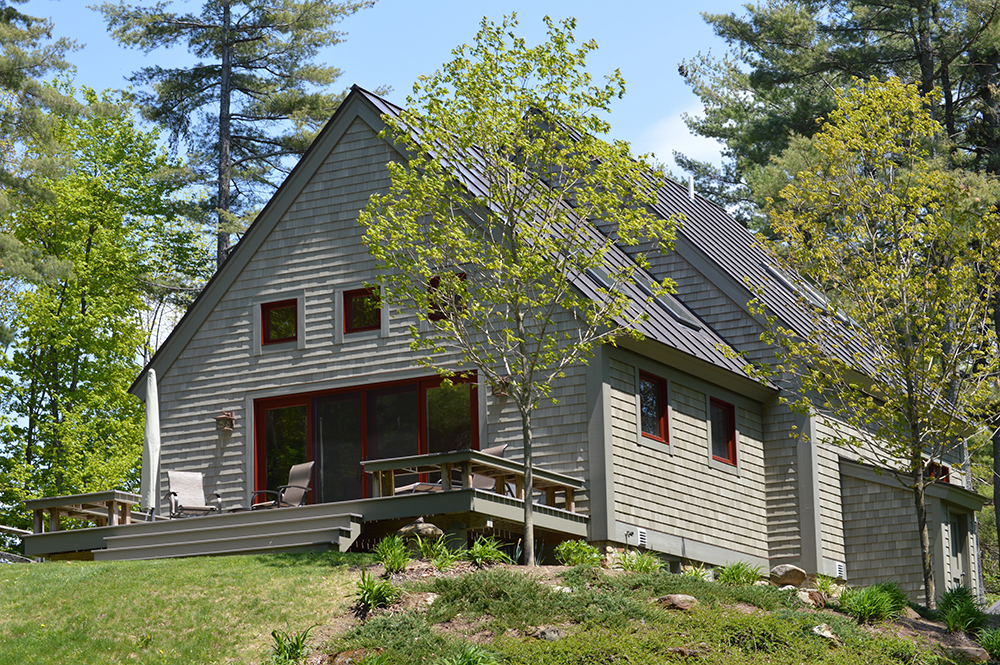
(702,343)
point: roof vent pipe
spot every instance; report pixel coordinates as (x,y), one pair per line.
(691,187)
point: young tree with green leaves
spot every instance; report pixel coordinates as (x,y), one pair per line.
(252,102)
(68,424)
(908,254)
(487,264)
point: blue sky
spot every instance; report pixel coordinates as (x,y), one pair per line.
(397,40)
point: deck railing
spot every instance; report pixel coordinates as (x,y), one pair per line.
(472,463)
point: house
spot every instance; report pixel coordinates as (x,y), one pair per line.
(663,443)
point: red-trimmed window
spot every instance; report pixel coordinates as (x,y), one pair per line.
(279,321)
(723,419)
(939,472)
(436,313)
(340,428)
(653,406)
(361,311)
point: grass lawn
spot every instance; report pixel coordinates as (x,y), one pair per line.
(197,610)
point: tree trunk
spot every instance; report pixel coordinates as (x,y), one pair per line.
(920,496)
(225,157)
(529,516)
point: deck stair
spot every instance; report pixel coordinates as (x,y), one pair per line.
(298,529)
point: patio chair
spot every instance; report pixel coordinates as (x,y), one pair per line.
(290,495)
(186,494)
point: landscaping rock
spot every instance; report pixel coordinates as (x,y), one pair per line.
(786,574)
(972,654)
(549,634)
(422,529)
(677,601)
(812,597)
(824,631)
(762,583)
(352,657)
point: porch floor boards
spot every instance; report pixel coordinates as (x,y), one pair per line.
(331,526)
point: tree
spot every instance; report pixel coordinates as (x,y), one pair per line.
(487,263)
(69,424)
(901,351)
(24,106)
(254,84)
(789,59)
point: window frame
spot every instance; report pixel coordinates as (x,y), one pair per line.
(436,313)
(349,297)
(261,405)
(265,320)
(661,383)
(730,410)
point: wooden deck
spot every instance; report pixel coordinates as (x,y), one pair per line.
(329,526)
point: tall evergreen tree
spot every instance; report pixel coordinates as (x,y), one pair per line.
(253,100)
(787,60)
(27,53)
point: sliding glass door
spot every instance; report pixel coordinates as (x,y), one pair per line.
(339,429)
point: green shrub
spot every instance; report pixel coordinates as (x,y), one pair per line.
(406,638)
(989,639)
(960,611)
(738,574)
(639,562)
(393,553)
(374,593)
(486,552)
(825,584)
(578,553)
(761,634)
(439,553)
(874,603)
(698,572)
(471,654)
(289,648)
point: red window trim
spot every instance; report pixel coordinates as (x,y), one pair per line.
(349,297)
(940,472)
(265,319)
(436,314)
(306,399)
(730,433)
(661,383)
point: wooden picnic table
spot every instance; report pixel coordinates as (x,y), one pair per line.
(109,508)
(472,463)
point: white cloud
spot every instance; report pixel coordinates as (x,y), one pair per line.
(670,134)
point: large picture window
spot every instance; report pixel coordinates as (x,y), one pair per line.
(339,429)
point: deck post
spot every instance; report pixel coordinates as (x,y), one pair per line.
(570,503)
(446,477)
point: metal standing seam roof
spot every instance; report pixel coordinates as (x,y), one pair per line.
(738,253)
(702,343)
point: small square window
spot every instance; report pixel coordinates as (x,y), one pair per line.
(939,472)
(653,406)
(436,313)
(361,311)
(723,431)
(279,321)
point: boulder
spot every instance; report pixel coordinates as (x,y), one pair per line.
(971,654)
(422,529)
(787,574)
(812,597)
(677,601)
(549,634)
(824,631)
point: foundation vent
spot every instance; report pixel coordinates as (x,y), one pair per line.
(841,570)
(640,536)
